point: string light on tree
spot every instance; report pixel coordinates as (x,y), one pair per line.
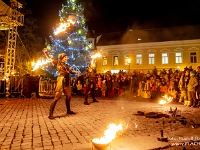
(70,35)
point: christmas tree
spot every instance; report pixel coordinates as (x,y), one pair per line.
(70,36)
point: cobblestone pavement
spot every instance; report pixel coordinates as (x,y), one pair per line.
(24,125)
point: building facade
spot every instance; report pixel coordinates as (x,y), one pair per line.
(164,48)
(144,56)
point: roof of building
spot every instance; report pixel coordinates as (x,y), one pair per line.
(150,35)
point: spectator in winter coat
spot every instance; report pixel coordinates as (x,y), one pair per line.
(99,84)
(155,71)
(131,85)
(103,88)
(84,89)
(79,88)
(109,86)
(135,85)
(116,87)
(191,88)
(153,88)
(81,79)
(141,80)
(163,87)
(183,87)
(73,86)
(198,87)
(120,85)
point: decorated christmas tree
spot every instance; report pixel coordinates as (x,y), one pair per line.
(70,36)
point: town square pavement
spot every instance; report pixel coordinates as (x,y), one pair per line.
(24,124)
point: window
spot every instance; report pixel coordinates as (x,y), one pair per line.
(105,61)
(164,58)
(127,61)
(138,59)
(178,58)
(151,59)
(193,57)
(115,60)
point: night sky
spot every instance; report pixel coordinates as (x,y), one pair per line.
(112,15)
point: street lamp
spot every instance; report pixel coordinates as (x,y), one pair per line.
(129,62)
(93,61)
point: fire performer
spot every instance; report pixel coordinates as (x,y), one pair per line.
(91,75)
(63,82)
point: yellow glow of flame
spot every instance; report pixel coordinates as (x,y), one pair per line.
(168,99)
(64,26)
(33,64)
(162,102)
(109,134)
(97,55)
(40,63)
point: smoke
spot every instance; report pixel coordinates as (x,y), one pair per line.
(132,36)
(89,10)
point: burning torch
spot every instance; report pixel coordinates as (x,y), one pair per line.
(41,61)
(63,26)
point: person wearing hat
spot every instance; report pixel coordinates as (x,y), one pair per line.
(63,82)
(91,75)
(191,89)
(198,87)
(183,82)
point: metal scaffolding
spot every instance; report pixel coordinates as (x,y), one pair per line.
(10,19)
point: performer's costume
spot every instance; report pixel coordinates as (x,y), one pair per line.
(63,84)
(91,86)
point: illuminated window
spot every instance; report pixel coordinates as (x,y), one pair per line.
(115,60)
(105,61)
(151,59)
(193,57)
(164,58)
(178,58)
(138,59)
(126,61)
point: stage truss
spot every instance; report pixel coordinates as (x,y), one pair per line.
(10,19)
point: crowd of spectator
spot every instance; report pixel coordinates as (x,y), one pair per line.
(182,85)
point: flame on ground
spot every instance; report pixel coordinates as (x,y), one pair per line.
(109,134)
(39,63)
(64,26)
(162,102)
(167,99)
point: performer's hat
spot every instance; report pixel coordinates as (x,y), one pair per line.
(62,55)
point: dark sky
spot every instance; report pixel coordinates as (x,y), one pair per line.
(113,15)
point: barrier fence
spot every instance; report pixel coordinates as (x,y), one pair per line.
(47,87)
(24,86)
(13,86)
(2,87)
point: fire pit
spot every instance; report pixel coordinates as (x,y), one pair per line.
(103,142)
(100,146)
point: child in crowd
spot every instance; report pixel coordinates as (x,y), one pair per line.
(103,88)
(79,88)
(84,89)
